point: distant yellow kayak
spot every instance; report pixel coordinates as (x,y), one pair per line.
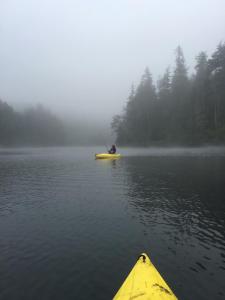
(106,155)
(145,283)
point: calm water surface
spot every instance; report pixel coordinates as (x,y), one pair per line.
(71,227)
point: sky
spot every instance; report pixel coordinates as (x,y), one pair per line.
(79,58)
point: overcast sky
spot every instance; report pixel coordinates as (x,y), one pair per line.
(81,57)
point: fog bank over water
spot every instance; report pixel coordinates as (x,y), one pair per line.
(80,57)
(204,151)
(173,152)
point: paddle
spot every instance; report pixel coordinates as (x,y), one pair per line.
(107,149)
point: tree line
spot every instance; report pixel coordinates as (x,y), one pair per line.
(179,109)
(35,126)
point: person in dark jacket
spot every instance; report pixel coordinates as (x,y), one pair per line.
(112,150)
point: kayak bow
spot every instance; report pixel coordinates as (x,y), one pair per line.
(145,283)
(106,155)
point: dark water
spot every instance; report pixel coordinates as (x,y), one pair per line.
(72,227)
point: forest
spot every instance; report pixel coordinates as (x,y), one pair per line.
(35,126)
(179,109)
(38,126)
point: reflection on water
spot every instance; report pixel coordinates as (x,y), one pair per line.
(71,226)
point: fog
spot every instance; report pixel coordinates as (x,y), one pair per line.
(79,58)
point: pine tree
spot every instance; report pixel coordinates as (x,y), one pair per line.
(199,97)
(217,79)
(145,99)
(163,105)
(164,86)
(180,77)
(180,108)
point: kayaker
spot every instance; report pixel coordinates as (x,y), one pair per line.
(112,150)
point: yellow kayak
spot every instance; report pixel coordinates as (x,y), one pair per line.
(106,155)
(145,283)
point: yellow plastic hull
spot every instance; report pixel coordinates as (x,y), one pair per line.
(145,283)
(107,155)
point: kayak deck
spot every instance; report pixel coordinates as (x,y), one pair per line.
(106,155)
(145,283)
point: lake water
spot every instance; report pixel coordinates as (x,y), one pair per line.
(71,227)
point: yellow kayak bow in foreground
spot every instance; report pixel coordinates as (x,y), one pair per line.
(144,283)
(107,155)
